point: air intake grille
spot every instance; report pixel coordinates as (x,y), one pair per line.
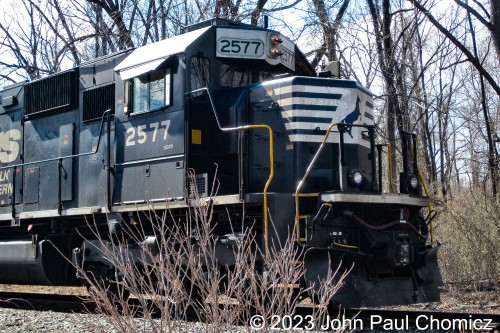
(205,185)
(98,100)
(53,94)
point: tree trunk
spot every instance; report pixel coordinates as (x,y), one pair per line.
(489,136)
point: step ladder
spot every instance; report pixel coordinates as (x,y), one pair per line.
(300,218)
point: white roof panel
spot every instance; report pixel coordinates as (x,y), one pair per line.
(149,57)
(131,72)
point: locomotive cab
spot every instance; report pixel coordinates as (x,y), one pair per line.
(330,176)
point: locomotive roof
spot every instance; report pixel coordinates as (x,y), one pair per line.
(151,56)
(217,22)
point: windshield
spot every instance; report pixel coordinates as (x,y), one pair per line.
(237,74)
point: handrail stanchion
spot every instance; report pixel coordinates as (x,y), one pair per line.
(379,159)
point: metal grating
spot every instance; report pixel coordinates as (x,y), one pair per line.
(224,185)
(53,94)
(32,184)
(98,100)
(201,186)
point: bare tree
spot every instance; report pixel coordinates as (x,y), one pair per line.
(489,19)
(382,29)
(230,10)
(492,152)
(330,27)
(116,14)
(24,44)
(493,26)
(460,45)
(384,39)
(358,58)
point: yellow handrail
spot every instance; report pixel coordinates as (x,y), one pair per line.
(302,181)
(345,245)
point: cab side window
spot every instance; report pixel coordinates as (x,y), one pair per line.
(151,91)
(200,72)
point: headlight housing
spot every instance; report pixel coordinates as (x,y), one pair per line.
(275,49)
(355,177)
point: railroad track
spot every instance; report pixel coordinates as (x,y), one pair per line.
(44,301)
(303,318)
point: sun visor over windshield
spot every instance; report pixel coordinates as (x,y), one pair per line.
(148,58)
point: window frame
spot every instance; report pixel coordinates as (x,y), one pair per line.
(167,91)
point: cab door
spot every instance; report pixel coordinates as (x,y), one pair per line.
(150,140)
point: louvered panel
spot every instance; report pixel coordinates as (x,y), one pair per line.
(98,100)
(53,94)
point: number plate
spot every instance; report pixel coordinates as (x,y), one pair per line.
(253,44)
(239,47)
(287,58)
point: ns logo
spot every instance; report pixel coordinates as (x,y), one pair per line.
(9,147)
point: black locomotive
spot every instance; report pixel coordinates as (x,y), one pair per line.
(106,139)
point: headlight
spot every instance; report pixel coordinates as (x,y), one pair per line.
(355,177)
(412,182)
(275,41)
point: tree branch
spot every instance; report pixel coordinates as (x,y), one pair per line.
(476,14)
(257,11)
(473,60)
(296,2)
(5,77)
(117,16)
(482,7)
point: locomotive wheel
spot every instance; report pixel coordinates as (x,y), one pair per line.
(114,291)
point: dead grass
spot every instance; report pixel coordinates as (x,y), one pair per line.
(456,299)
(181,271)
(468,226)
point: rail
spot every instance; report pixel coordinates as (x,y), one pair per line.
(354,319)
(271,157)
(389,156)
(47,302)
(405,135)
(305,314)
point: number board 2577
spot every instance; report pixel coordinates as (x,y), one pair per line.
(253,44)
(236,43)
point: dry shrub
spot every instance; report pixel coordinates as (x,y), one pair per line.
(179,276)
(469,229)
